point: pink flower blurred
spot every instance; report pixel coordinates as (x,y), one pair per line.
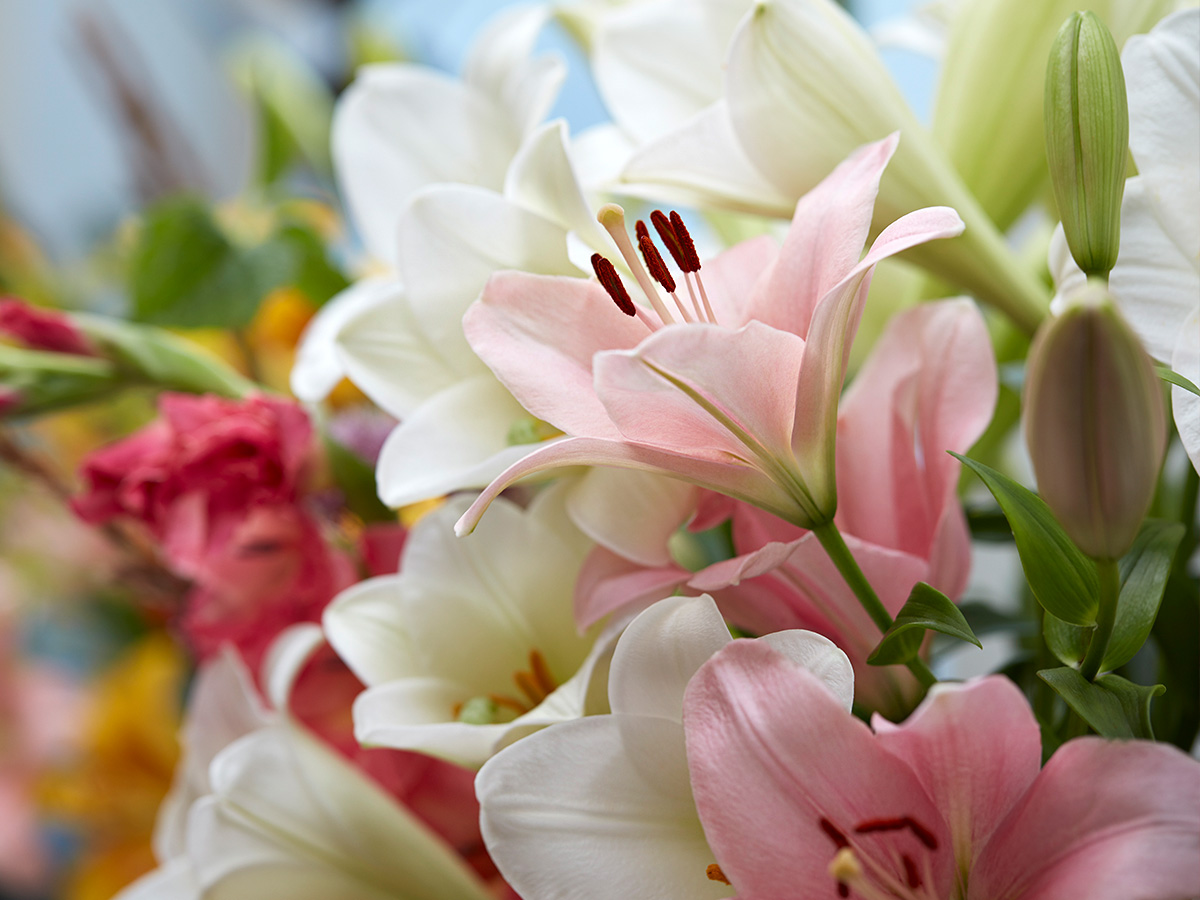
(41,329)
(800,798)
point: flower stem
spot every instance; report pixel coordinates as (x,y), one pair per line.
(1110,589)
(831,539)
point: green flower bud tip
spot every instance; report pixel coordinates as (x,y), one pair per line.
(1087,139)
(1095,423)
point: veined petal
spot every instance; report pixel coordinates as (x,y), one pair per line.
(382,160)
(631,513)
(597,808)
(385,351)
(457,439)
(659,63)
(539,336)
(1105,820)
(988,723)
(453,237)
(773,755)
(318,368)
(609,582)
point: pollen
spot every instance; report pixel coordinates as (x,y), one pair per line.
(714,873)
(606,274)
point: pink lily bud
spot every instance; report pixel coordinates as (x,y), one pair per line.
(42,329)
(1095,424)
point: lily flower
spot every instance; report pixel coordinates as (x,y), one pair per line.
(473,644)
(734,388)
(601,807)
(800,799)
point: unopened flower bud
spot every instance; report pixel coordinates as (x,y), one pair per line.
(1087,139)
(1095,423)
(42,329)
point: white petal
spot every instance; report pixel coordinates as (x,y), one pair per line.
(1068,277)
(223,706)
(598,154)
(659,653)
(659,63)
(365,625)
(176,880)
(1186,362)
(457,439)
(703,160)
(597,808)
(1154,282)
(542,180)
(318,368)
(1162,76)
(291,818)
(386,351)
(631,513)
(399,128)
(286,657)
(453,237)
(501,64)
(820,656)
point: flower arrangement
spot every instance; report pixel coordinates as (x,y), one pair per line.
(617,514)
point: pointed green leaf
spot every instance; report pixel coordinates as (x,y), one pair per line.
(1067,642)
(1144,572)
(927,608)
(1170,375)
(1114,707)
(1062,579)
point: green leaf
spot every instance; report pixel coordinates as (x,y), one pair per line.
(309,268)
(927,608)
(1062,579)
(1170,375)
(356,480)
(1067,642)
(1114,707)
(185,273)
(1144,572)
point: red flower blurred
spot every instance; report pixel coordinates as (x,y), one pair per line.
(41,329)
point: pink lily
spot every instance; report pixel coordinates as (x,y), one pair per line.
(928,386)
(800,799)
(741,396)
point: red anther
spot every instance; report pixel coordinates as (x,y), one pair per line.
(873,825)
(687,248)
(843,889)
(924,835)
(640,230)
(667,234)
(911,875)
(654,262)
(607,275)
(833,834)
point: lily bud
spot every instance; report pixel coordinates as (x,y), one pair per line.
(1095,423)
(1087,139)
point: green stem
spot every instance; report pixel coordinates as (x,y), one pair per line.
(847,565)
(1110,589)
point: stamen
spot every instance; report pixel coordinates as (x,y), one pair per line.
(667,234)
(509,703)
(606,274)
(687,247)
(873,825)
(714,873)
(541,673)
(612,218)
(923,834)
(834,835)
(654,261)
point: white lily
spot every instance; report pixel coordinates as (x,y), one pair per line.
(1156,281)
(474,643)
(602,806)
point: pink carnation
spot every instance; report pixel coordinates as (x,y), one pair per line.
(41,329)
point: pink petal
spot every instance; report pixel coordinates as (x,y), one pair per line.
(976,748)
(730,278)
(608,582)
(1105,820)
(539,334)
(772,754)
(736,480)
(825,240)
(749,375)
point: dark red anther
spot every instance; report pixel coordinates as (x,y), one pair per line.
(833,834)
(843,889)
(911,875)
(924,835)
(687,248)
(667,234)
(640,230)
(872,825)
(607,275)
(654,261)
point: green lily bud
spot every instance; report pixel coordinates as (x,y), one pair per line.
(1087,139)
(1095,423)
